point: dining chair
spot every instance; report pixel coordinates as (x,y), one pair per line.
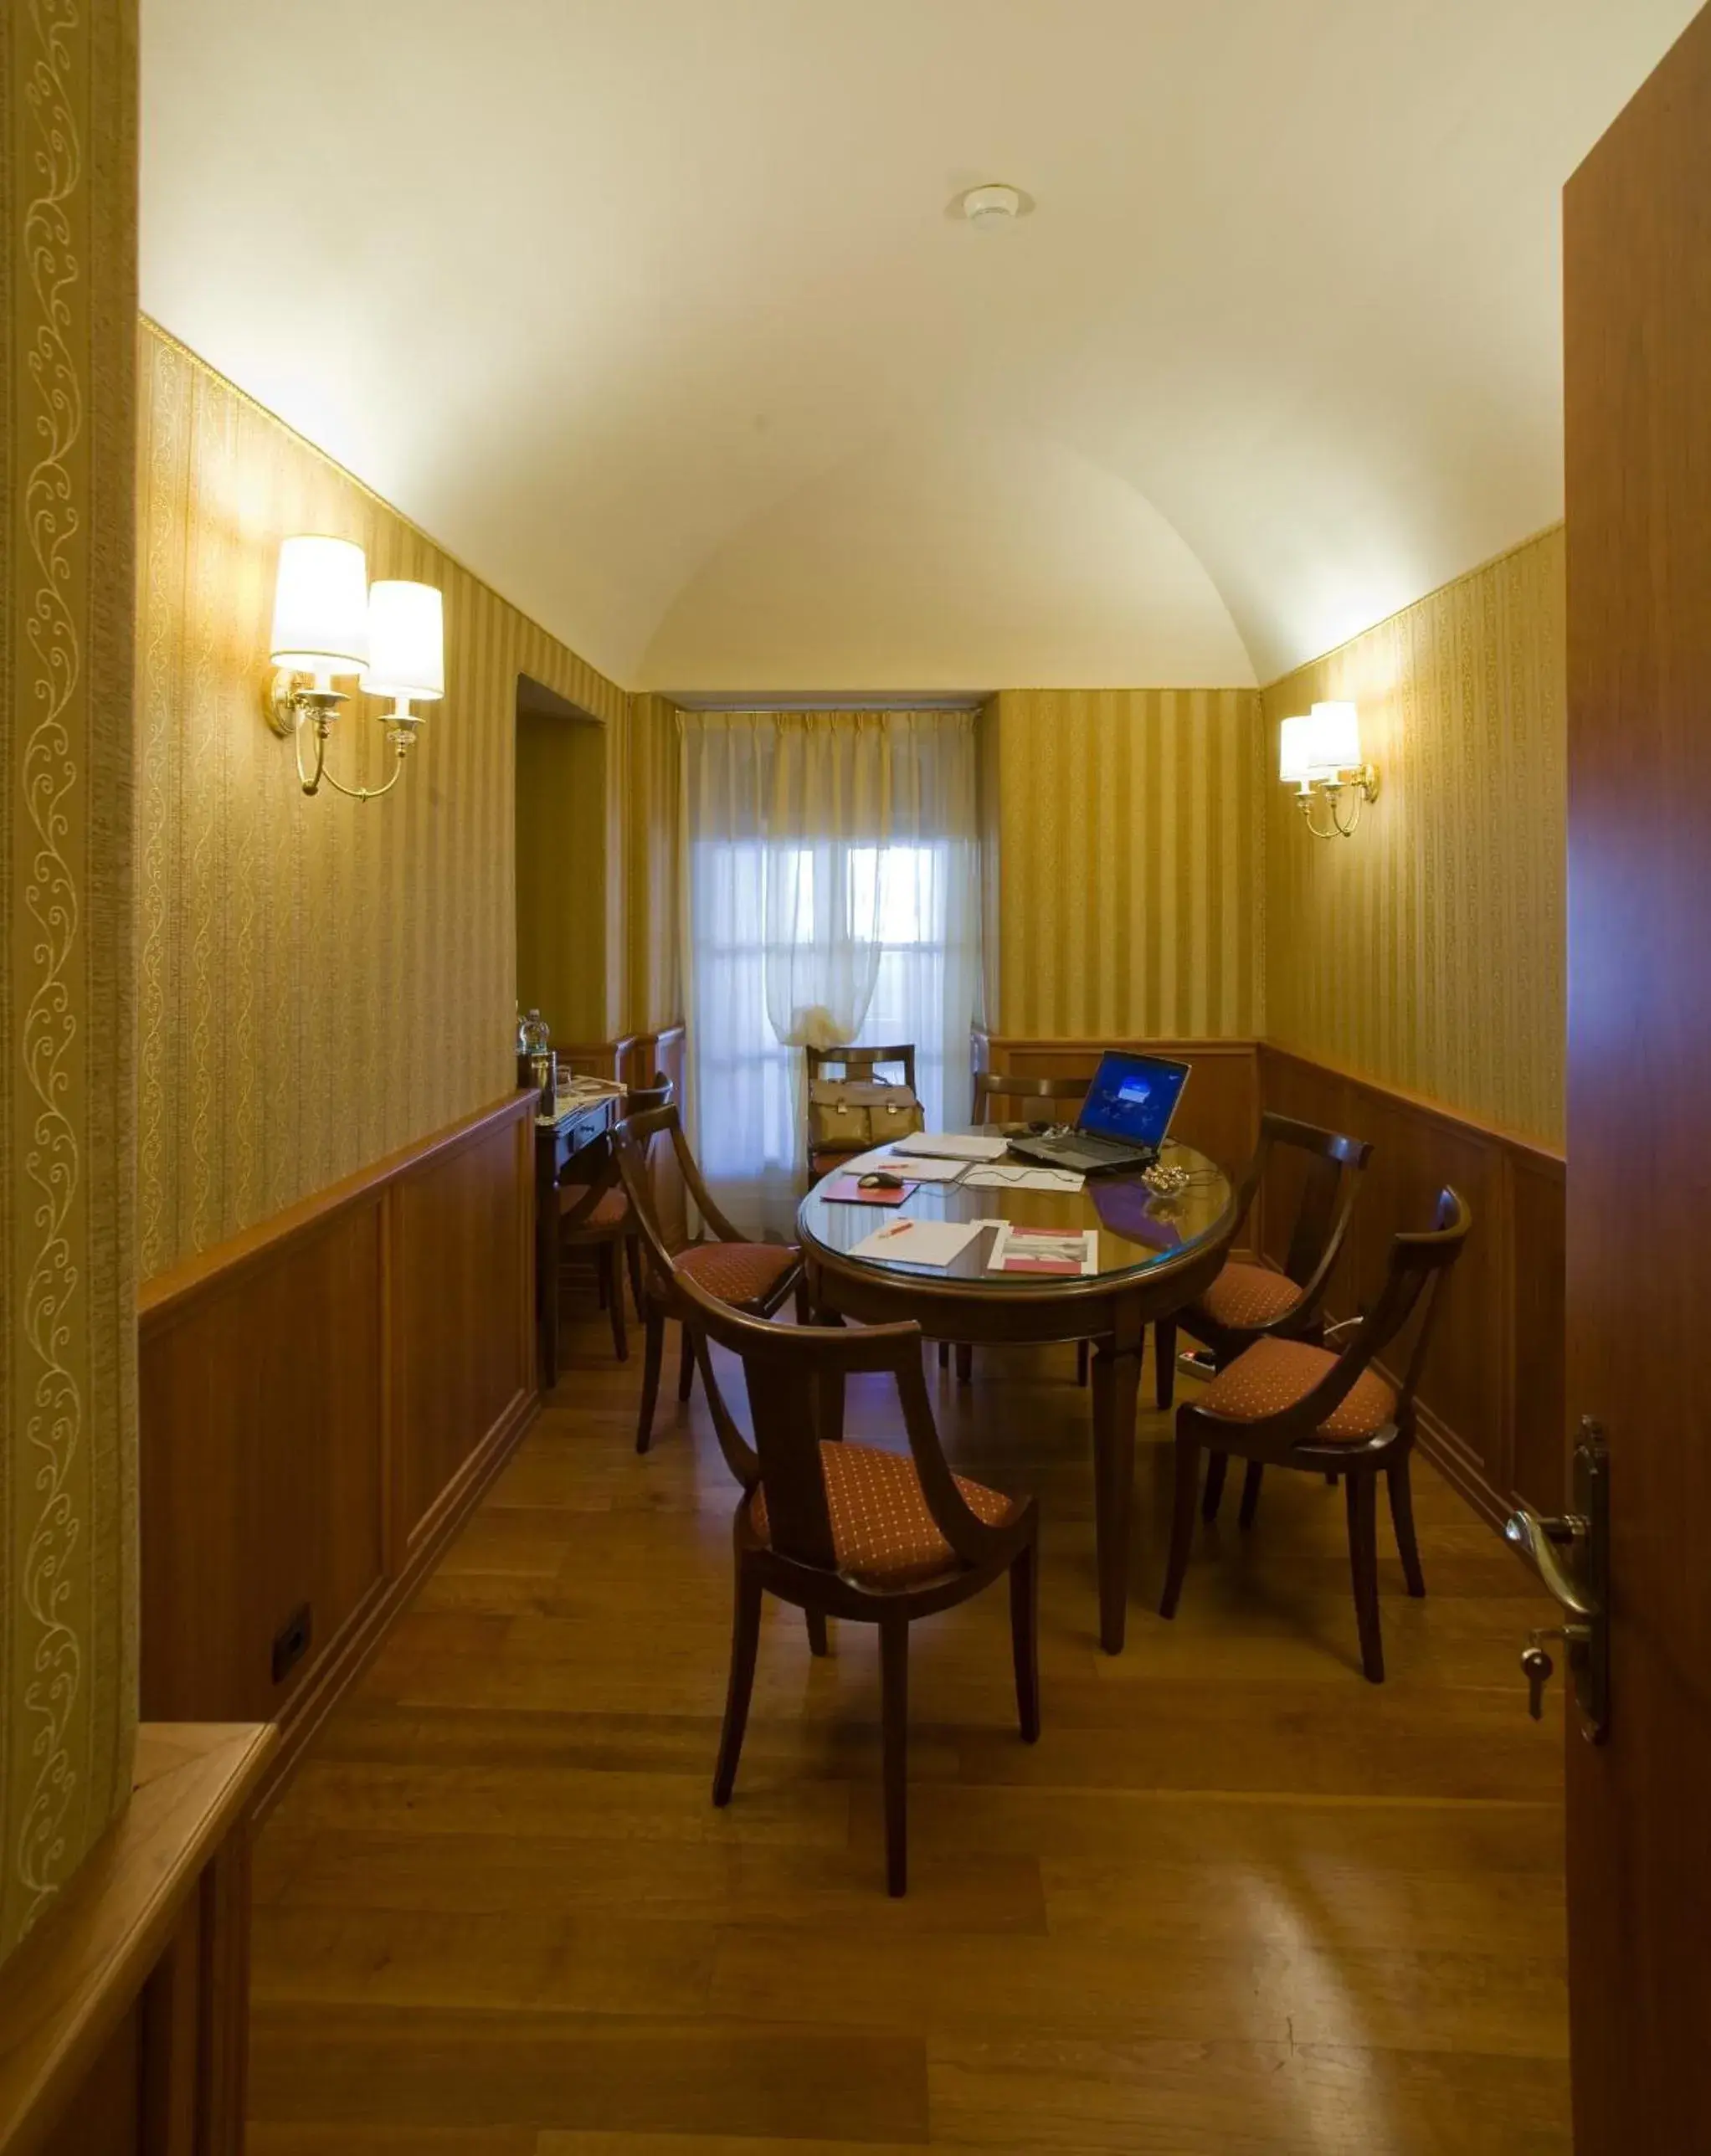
(594,1218)
(756,1277)
(990,1086)
(850,1064)
(1249,1303)
(1288,1403)
(854,1531)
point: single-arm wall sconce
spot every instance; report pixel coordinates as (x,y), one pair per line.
(327,622)
(1320,754)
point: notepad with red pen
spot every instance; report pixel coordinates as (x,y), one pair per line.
(847,1191)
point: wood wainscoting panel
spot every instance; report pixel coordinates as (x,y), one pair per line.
(322,1399)
(1219,1110)
(1491,1400)
(463,1229)
(260,1474)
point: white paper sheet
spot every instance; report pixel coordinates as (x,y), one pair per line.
(914,1242)
(917,1167)
(1007,1176)
(950,1145)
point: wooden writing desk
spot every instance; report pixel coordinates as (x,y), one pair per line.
(559,1139)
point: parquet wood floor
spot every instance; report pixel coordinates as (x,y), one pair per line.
(1235,1901)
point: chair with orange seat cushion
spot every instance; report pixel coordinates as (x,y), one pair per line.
(1246,1302)
(595,1218)
(854,1530)
(1289,1404)
(756,1277)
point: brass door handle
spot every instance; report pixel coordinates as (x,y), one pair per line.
(1570,1553)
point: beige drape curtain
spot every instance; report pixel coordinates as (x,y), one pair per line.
(831,884)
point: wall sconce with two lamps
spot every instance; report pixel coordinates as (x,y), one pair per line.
(328,622)
(1320,754)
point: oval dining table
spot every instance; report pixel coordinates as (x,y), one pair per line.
(1155,1253)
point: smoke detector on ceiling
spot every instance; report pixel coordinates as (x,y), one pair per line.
(988,207)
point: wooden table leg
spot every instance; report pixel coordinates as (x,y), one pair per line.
(1116,1381)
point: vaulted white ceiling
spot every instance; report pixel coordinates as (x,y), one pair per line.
(654,311)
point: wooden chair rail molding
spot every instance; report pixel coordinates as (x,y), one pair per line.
(1492,1407)
(124,2015)
(322,1401)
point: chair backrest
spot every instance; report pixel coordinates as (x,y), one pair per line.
(632,1148)
(1332,1167)
(1419,1263)
(794,1375)
(855,1063)
(990,1086)
(640,1099)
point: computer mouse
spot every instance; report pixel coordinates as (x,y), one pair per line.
(880,1180)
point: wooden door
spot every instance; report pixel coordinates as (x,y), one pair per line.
(1637,261)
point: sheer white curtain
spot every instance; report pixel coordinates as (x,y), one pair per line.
(831,892)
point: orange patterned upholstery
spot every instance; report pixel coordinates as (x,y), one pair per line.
(1243,1295)
(737,1273)
(882,1532)
(612,1211)
(1274,1374)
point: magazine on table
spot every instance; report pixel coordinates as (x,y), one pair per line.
(1046,1250)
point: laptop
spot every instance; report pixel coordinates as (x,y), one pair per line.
(1123,1121)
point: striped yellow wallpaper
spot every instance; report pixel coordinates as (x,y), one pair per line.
(320,981)
(1427,953)
(653,814)
(1128,886)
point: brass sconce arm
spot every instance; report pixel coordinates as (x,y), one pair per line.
(1361,784)
(294,705)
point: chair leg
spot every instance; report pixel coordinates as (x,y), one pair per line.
(632,1259)
(1024,1638)
(1364,1565)
(965,1364)
(894,1695)
(944,1354)
(685,1364)
(1402,1517)
(612,1274)
(1182,1523)
(805,1311)
(1251,1483)
(653,1354)
(818,1642)
(1084,1356)
(1217,1466)
(745,1643)
(1164,1368)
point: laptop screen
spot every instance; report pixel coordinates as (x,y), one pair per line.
(1133,1097)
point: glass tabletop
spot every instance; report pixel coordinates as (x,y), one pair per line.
(1137,1229)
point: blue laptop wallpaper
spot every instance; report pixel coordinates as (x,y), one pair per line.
(1133,1097)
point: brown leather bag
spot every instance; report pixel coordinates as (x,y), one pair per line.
(854,1114)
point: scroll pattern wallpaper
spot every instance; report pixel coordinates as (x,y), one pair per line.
(68,1596)
(1128,894)
(1428,953)
(320,981)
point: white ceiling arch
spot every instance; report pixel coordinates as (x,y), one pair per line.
(611,296)
(946,557)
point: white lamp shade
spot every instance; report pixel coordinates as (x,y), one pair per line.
(1294,765)
(406,643)
(321,607)
(1334,738)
